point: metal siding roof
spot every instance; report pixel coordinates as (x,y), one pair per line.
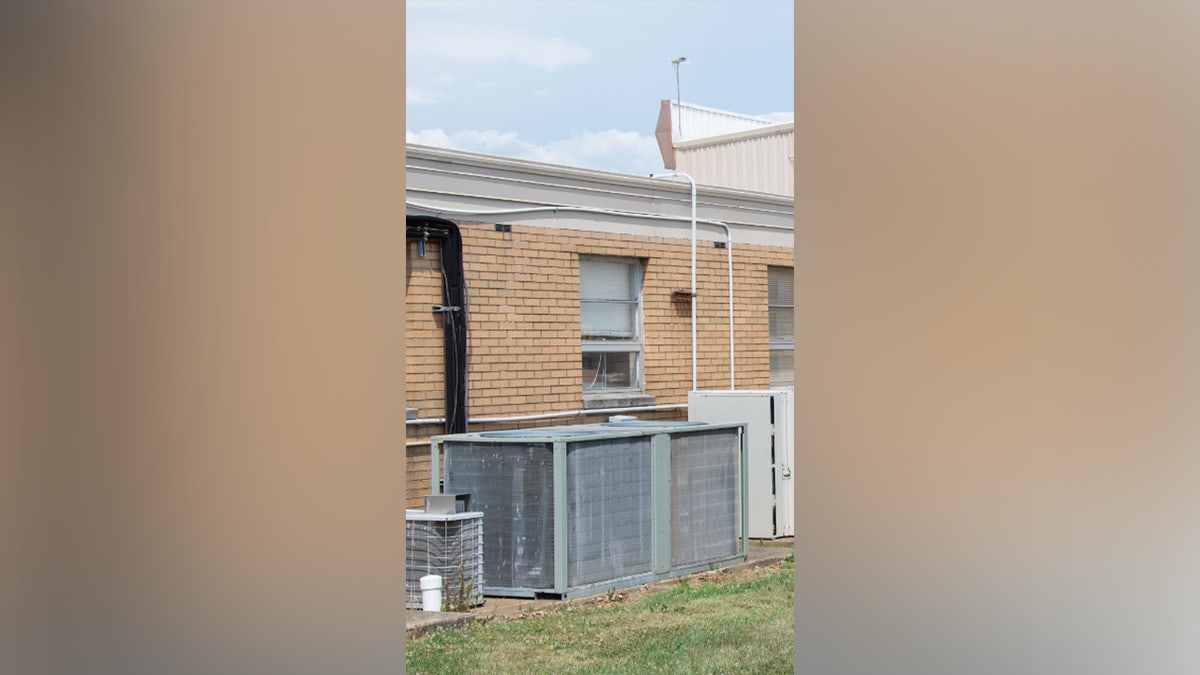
(758,163)
(695,121)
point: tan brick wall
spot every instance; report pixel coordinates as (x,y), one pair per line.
(524,352)
(418,470)
(425,377)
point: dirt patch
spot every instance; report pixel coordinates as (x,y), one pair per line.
(723,575)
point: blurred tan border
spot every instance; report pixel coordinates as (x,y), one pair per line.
(210,273)
(997,364)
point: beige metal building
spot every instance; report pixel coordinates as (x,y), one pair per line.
(728,149)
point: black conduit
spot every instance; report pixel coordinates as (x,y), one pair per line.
(453,310)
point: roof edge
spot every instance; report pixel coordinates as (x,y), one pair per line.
(434,153)
(704,141)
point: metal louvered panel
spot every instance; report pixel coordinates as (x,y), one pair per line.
(704,496)
(608,494)
(512,484)
(450,546)
(759,160)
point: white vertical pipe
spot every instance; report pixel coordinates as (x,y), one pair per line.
(729,256)
(693,298)
(693,182)
(431,593)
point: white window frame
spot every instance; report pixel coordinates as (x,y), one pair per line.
(634,345)
(776,345)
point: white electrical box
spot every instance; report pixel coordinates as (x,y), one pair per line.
(770,449)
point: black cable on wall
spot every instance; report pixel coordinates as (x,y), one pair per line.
(453,309)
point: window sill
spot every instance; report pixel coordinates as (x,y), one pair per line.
(600,401)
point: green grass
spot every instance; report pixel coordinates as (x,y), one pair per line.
(710,626)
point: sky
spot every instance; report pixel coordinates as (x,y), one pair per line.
(580,82)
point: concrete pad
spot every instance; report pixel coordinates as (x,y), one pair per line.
(418,624)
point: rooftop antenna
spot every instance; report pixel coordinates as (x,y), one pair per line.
(678,110)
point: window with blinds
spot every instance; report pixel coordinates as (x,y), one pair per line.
(781,315)
(610,313)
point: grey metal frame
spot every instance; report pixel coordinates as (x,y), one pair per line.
(660,468)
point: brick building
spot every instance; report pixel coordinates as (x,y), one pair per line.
(568,298)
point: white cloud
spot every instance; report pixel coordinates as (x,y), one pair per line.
(490,141)
(414,96)
(601,149)
(610,150)
(487,44)
(486,141)
(434,137)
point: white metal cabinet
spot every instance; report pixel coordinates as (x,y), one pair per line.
(771,451)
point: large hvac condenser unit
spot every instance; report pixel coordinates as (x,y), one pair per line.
(771,448)
(577,510)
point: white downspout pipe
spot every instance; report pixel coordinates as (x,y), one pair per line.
(693,298)
(729,263)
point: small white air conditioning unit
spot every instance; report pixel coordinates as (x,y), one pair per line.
(770,446)
(449,545)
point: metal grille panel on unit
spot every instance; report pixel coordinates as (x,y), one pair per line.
(512,484)
(609,501)
(704,496)
(448,545)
